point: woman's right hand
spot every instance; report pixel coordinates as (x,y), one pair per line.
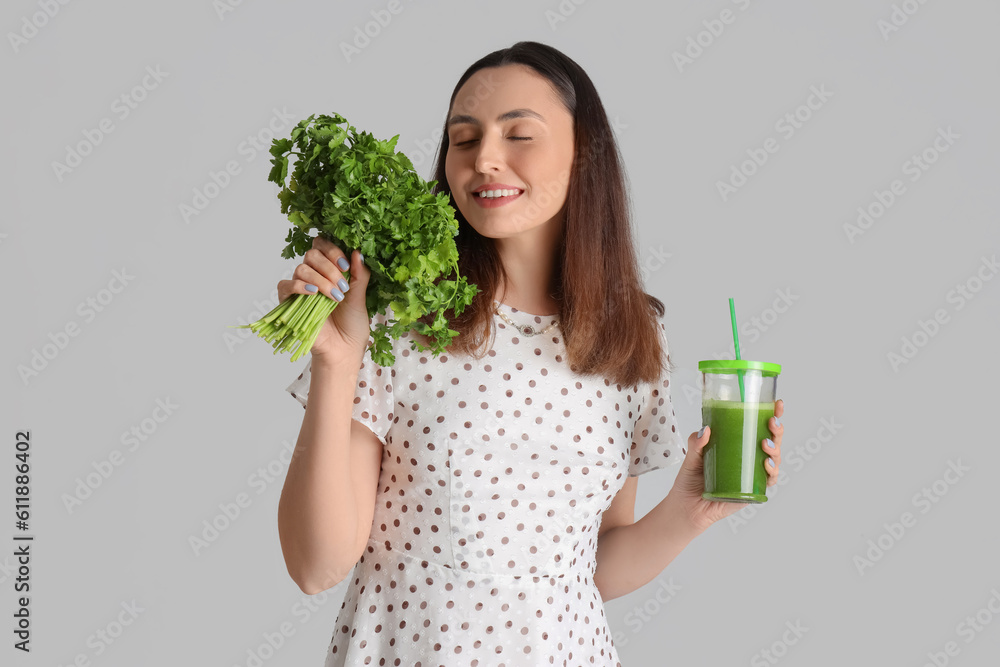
(345,333)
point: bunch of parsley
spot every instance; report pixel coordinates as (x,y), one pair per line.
(358,192)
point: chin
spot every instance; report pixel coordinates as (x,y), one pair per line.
(488,231)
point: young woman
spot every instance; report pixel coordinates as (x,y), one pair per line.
(487,496)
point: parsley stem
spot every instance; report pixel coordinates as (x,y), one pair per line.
(297,319)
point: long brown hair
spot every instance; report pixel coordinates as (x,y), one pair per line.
(609,323)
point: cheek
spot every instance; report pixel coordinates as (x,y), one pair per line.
(454,160)
(449,170)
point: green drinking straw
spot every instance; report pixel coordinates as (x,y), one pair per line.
(736,342)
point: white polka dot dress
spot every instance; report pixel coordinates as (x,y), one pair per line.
(494,477)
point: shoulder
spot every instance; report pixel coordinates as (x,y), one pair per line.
(661,331)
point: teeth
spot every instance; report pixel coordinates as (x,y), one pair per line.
(497,193)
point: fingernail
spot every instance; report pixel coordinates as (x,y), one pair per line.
(767,441)
(770,462)
(343,264)
(777,422)
(361,256)
(311,288)
(701,432)
(337,294)
(342,284)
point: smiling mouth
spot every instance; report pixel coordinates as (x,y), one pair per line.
(497,194)
(494,201)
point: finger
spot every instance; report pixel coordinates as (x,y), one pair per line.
(779,408)
(772,471)
(359,258)
(777,430)
(772,450)
(288,288)
(306,277)
(774,426)
(321,243)
(697,444)
(332,252)
(357,276)
(328,264)
(285,289)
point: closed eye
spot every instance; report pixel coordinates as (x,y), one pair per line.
(462,143)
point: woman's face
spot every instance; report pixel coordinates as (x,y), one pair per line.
(507,130)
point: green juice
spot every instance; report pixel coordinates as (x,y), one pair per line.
(734,456)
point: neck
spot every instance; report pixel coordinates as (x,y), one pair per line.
(529,261)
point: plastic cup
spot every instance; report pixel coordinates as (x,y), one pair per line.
(734,457)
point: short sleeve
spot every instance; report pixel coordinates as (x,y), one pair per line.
(656,440)
(373,395)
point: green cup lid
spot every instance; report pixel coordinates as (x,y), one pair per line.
(733,365)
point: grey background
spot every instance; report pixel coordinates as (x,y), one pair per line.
(738,587)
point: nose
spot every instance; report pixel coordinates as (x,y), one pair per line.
(490,153)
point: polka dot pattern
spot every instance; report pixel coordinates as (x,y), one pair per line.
(495,474)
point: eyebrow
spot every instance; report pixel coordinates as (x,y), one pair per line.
(510,115)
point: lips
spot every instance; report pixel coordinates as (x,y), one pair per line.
(493,202)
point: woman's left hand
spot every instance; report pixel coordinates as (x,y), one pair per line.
(690,482)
